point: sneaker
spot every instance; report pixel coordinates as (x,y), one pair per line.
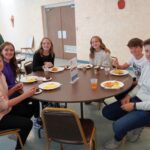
(37,123)
(112,144)
(134,135)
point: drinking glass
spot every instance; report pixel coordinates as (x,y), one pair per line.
(46,72)
(94,83)
(107,70)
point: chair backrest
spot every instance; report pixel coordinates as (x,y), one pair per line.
(28,67)
(63,125)
(29,42)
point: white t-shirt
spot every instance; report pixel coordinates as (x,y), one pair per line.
(137,65)
(101,57)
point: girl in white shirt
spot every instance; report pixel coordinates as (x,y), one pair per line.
(99,54)
(8,118)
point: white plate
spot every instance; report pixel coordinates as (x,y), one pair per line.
(58,69)
(112,84)
(119,72)
(67,67)
(45,80)
(49,85)
(85,65)
(38,92)
(29,79)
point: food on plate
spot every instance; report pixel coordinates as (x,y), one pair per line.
(31,79)
(54,69)
(37,90)
(50,86)
(118,71)
(112,84)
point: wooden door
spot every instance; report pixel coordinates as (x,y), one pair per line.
(61,30)
(68,31)
(54,26)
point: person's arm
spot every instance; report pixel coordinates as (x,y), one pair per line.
(12,102)
(91,61)
(15,88)
(3,103)
(116,64)
(53,59)
(142,106)
(145,106)
(123,66)
(37,62)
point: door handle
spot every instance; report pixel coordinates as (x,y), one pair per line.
(59,34)
(64,34)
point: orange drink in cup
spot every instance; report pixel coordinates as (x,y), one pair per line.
(93,83)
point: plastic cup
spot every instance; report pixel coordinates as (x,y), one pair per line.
(46,72)
(107,70)
(94,83)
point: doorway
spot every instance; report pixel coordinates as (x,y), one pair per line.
(59,26)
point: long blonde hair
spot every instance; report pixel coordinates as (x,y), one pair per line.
(102,46)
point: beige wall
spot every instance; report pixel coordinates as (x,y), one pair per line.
(93,17)
(114,26)
(28,20)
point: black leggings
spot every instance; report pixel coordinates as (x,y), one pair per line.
(19,117)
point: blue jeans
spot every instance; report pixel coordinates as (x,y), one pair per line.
(125,121)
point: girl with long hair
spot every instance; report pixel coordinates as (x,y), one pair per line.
(44,56)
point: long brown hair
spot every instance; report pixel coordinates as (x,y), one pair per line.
(13,61)
(102,46)
(40,50)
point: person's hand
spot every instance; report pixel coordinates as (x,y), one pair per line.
(128,107)
(125,100)
(18,86)
(30,92)
(48,64)
(115,62)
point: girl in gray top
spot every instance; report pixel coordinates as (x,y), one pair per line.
(99,54)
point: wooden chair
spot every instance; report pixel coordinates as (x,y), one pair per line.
(12,131)
(64,126)
(28,44)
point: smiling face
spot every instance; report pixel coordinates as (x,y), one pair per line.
(95,43)
(147,52)
(136,51)
(46,45)
(8,52)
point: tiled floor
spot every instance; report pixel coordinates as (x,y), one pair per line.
(103,133)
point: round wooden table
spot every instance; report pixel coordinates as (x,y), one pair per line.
(81,90)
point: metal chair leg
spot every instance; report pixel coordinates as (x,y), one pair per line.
(61,147)
(20,141)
